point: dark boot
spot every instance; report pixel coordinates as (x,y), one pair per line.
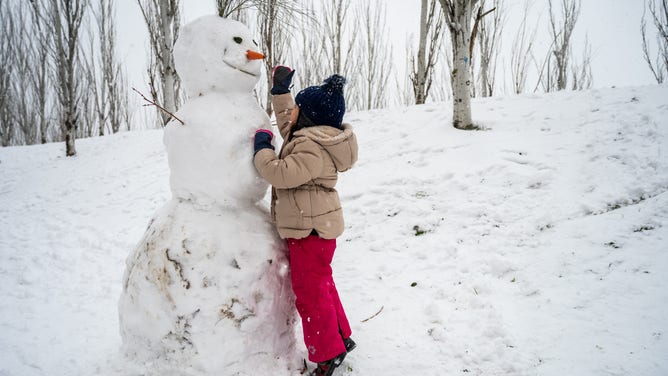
(350,344)
(326,368)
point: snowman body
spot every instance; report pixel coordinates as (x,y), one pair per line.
(207,289)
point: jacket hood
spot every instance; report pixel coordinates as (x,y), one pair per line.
(340,143)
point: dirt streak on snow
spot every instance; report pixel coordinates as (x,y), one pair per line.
(534,247)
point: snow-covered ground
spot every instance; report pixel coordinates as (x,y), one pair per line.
(538,246)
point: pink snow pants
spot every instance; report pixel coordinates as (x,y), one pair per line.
(323,318)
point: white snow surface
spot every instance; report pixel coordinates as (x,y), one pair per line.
(538,246)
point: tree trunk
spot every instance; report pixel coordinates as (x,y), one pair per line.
(65,18)
(562,31)
(70,136)
(421,56)
(167,57)
(459,13)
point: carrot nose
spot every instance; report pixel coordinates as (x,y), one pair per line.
(254,55)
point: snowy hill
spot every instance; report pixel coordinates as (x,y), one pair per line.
(538,246)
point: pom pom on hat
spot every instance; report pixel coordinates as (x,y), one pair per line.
(324,104)
(335,83)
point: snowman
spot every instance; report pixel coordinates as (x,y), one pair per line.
(207,289)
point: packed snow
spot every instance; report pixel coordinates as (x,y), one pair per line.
(537,246)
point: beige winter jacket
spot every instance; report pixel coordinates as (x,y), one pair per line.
(304,174)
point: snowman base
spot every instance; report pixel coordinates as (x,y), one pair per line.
(207,291)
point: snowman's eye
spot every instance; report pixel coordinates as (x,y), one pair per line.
(238,40)
(255,43)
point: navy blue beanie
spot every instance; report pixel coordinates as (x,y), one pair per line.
(324,104)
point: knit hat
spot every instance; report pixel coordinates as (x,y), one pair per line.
(324,104)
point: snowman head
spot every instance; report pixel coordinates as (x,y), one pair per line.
(214,54)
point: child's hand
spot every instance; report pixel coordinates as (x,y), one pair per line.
(282,77)
(262,140)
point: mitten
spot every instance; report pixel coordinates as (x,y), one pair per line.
(282,80)
(262,140)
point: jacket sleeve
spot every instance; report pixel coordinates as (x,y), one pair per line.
(283,105)
(302,165)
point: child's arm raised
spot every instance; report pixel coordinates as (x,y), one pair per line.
(282,99)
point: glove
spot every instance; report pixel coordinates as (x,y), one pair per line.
(282,80)
(262,140)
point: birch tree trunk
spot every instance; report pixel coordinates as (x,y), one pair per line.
(65,18)
(429,47)
(169,22)
(420,77)
(458,15)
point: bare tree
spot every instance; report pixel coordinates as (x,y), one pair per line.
(555,77)
(659,64)
(95,95)
(41,77)
(459,14)
(429,47)
(24,77)
(26,132)
(274,19)
(339,43)
(65,18)
(581,74)
(522,52)
(162,18)
(340,48)
(310,59)
(7,42)
(111,93)
(233,8)
(375,56)
(325,43)
(489,42)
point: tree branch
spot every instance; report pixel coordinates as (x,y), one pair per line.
(150,102)
(476,24)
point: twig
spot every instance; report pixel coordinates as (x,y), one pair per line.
(376,314)
(157,105)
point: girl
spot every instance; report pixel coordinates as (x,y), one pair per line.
(305,206)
